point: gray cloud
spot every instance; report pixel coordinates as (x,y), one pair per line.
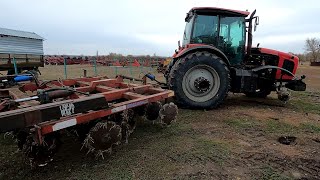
(147,27)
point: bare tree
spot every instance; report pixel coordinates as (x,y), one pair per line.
(302,57)
(313,47)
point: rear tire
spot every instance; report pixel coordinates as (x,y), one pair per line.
(200,80)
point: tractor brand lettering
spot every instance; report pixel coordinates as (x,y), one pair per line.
(67,109)
(118,109)
(135,104)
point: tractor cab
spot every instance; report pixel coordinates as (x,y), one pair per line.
(221,28)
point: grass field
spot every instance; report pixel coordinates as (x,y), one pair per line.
(74,71)
(239,140)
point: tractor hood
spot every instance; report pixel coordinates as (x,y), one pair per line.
(273,52)
(284,60)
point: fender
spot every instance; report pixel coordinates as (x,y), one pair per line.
(190,48)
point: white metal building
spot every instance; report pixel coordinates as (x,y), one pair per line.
(20,42)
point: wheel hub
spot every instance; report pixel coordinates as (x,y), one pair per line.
(202,84)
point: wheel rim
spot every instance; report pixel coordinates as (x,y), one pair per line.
(201,83)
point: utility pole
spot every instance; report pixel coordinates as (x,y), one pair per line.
(95,65)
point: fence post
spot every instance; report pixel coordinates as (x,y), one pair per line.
(15,66)
(65,68)
(84,73)
(95,66)
(130,66)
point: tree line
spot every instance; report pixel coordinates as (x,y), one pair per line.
(312,51)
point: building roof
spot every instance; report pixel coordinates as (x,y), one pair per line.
(221,10)
(23,34)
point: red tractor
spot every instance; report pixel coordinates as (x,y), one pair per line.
(217,56)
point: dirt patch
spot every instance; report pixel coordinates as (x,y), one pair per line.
(312,76)
(287,140)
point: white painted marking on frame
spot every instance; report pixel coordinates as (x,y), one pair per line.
(135,104)
(118,109)
(64,124)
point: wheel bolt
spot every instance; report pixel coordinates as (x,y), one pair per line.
(202,84)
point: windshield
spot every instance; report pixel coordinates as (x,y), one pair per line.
(187,32)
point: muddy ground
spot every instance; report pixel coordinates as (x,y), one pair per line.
(239,140)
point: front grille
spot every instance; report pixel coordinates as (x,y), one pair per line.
(288,65)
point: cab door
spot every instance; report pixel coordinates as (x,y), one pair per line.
(232,38)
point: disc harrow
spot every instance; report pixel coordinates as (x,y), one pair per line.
(102,137)
(101,111)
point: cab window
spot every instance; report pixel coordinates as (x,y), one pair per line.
(205,29)
(232,33)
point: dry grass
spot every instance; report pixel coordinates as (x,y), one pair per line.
(74,71)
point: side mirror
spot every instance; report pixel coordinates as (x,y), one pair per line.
(257,20)
(256,23)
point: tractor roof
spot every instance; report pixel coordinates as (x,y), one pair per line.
(216,10)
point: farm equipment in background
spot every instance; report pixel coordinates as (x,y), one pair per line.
(104,60)
(214,59)
(124,63)
(163,65)
(23,62)
(70,60)
(8,81)
(99,110)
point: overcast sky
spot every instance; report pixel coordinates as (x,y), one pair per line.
(149,26)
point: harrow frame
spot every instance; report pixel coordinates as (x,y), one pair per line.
(94,98)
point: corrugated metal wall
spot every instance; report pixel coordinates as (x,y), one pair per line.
(16,45)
